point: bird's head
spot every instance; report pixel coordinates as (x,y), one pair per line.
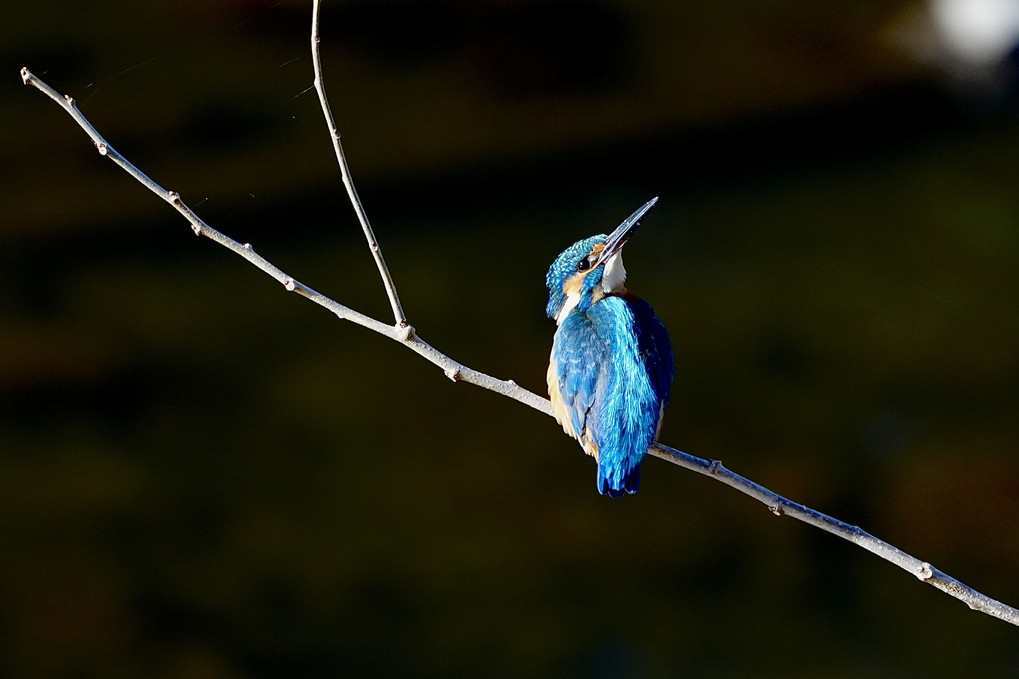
(590,269)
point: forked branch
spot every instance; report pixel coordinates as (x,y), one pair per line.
(401,332)
(404,333)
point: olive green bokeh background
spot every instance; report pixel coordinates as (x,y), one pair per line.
(204,476)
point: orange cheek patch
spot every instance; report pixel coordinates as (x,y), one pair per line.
(572,284)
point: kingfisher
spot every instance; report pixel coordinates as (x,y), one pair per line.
(611,367)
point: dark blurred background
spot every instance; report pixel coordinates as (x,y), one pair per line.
(202,475)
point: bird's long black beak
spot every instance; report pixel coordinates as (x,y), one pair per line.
(617,239)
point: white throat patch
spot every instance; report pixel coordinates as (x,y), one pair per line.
(615,274)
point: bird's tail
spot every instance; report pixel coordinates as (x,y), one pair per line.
(617,487)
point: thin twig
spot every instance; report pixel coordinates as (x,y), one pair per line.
(405,334)
(348,181)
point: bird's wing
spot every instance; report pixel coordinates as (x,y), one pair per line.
(576,374)
(654,346)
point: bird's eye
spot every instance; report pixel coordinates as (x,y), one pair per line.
(584,264)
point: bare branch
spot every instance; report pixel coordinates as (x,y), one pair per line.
(400,333)
(780,506)
(405,334)
(348,181)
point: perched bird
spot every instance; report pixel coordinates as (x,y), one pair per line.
(611,367)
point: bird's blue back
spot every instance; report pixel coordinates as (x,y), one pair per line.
(612,365)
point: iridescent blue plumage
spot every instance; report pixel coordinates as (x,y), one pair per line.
(611,366)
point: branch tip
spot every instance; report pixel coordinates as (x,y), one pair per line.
(26,75)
